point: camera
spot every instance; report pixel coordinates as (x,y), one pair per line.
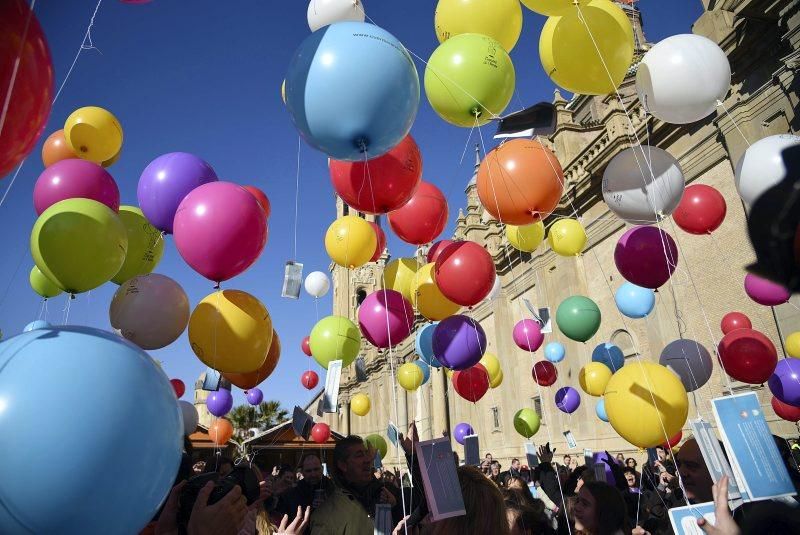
(241,476)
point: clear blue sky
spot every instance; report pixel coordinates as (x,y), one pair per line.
(204,77)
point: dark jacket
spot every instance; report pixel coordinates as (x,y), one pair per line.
(301,496)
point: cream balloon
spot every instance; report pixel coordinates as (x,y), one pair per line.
(324,12)
(762,166)
(189,417)
(496,289)
(317,284)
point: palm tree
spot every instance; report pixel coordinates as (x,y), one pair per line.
(246,417)
(271,414)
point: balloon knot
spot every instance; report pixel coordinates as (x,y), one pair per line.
(216,286)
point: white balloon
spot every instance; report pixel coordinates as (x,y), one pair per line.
(682,77)
(324,12)
(690,361)
(189,416)
(317,284)
(761,166)
(638,195)
(496,287)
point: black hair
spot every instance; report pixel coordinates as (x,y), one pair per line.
(610,508)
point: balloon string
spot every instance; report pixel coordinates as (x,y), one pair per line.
(296,200)
(42,308)
(728,113)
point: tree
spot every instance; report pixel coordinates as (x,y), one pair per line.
(271,414)
(246,417)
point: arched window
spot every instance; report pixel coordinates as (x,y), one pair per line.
(623,340)
(361,294)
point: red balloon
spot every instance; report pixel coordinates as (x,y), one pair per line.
(178,386)
(437,248)
(735,320)
(422,218)
(701,210)
(305,345)
(748,356)
(25,56)
(472,383)
(465,273)
(381,235)
(790,413)
(262,199)
(674,441)
(320,433)
(544,373)
(382,184)
(310,379)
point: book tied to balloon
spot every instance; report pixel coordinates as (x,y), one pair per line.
(241,476)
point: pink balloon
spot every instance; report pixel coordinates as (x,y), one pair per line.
(385,318)
(765,292)
(220,230)
(71,179)
(528,335)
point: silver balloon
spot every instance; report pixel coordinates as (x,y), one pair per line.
(189,416)
(690,361)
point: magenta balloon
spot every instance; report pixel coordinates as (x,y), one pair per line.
(528,335)
(220,230)
(568,399)
(385,318)
(765,292)
(646,256)
(72,179)
(459,342)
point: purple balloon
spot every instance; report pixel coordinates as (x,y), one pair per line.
(254,396)
(785,381)
(568,399)
(74,178)
(600,458)
(765,292)
(461,431)
(528,335)
(459,342)
(646,256)
(166,181)
(219,402)
(385,318)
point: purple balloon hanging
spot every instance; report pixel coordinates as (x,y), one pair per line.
(254,396)
(461,431)
(219,402)
(785,381)
(568,399)
(459,342)
(528,335)
(646,256)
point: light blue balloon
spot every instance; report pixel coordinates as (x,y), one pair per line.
(554,352)
(424,345)
(634,301)
(600,409)
(38,324)
(351,87)
(610,355)
(109,405)
(426,370)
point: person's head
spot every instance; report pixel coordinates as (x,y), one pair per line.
(352,462)
(599,509)
(694,473)
(631,477)
(483,502)
(524,520)
(223,466)
(567,460)
(495,468)
(661,453)
(515,464)
(311,469)
(630,462)
(488,457)
(620,458)
(285,477)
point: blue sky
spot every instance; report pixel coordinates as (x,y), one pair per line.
(204,77)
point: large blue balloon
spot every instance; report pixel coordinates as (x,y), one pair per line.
(426,370)
(610,355)
(104,403)
(554,352)
(424,345)
(635,301)
(600,409)
(38,324)
(352,89)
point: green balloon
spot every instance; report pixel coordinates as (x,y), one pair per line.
(578,318)
(379,443)
(145,245)
(79,244)
(42,285)
(469,74)
(526,422)
(335,338)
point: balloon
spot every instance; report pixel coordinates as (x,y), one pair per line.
(762,166)
(150,310)
(111,161)
(785,382)
(554,352)
(734,320)
(701,210)
(499,19)
(436,249)
(145,245)
(646,256)
(497,287)
(528,335)
(600,409)
(399,274)
(594,377)
(462,431)
(360,404)
(385,318)
(254,396)
(347,120)
(520,182)
(324,12)
(317,284)
(465,273)
(410,376)
(378,443)
(305,345)
(427,298)
(262,199)
(748,356)
(93,134)
(790,413)
(497,381)
(231,331)
(793,344)
(472,383)
(646,403)
(567,237)
(765,292)
(424,345)
(525,238)
(382,184)
(42,285)
(97,388)
(567,399)
(643,184)
(309,379)
(78,244)
(189,417)
(634,301)
(73,178)
(527,422)
(552,7)
(249,380)
(219,402)
(380,235)
(459,342)
(674,441)
(283,92)
(178,386)
(578,318)
(25,59)
(320,433)
(350,241)
(166,181)
(55,149)
(37,324)
(492,365)
(690,360)
(335,338)
(422,218)
(544,373)
(220,431)
(609,355)
(588,52)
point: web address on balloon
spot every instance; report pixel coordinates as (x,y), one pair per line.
(382,40)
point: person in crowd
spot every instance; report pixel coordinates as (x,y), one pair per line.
(632,479)
(488,457)
(545,476)
(513,471)
(525,514)
(630,462)
(310,491)
(494,474)
(484,506)
(694,473)
(568,461)
(620,459)
(222,465)
(600,510)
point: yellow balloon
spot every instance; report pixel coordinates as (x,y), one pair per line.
(427,298)
(567,237)
(499,19)
(350,241)
(552,7)
(492,365)
(93,134)
(410,376)
(793,345)
(594,377)
(449,373)
(114,159)
(398,275)
(497,381)
(569,56)
(526,238)
(231,331)
(640,398)
(360,404)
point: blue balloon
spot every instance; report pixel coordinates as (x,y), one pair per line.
(610,355)
(426,370)
(424,345)
(554,352)
(107,402)
(600,409)
(38,324)
(352,88)
(634,301)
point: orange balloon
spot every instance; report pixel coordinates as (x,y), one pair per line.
(220,431)
(252,379)
(56,149)
(520,182)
